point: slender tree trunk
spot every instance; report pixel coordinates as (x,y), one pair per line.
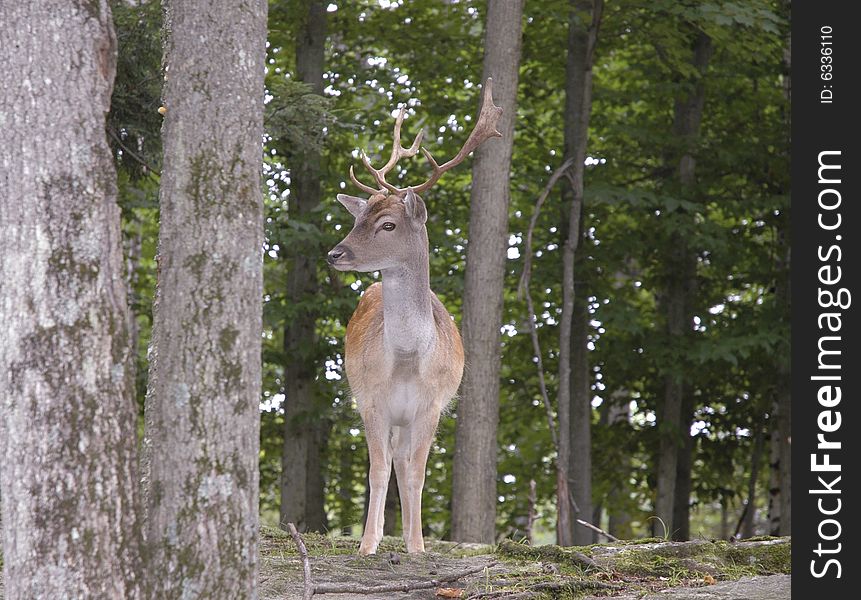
(532,512)
(345,491)
(580,426)
(748,521)
(583,23)
(619,520)
(390,525)
(780,502)
(784,297)
(682,501)
(302,481)
(68,444)
(474,470)
(724,520)
(203,418)
(681,281)
(780,463)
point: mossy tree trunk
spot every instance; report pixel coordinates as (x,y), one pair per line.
(474,471)
(302,493)
(202,413)
(68,463)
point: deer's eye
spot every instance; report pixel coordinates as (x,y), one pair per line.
(388,226)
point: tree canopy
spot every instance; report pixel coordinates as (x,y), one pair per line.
(427,56)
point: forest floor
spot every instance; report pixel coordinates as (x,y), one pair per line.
(756,569)
(651,569)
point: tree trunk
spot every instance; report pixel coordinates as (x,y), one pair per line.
(345,491)
(682,501)
(582,39)
(580,426)
(780,464)
(748,521)
(780,503)
(302,481)
(619,520)
(474,470)
(390,524)
(202,413)
(68,443)
(681,281)
(784,297)
(724,520)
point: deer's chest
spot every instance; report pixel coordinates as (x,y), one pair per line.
(405,389)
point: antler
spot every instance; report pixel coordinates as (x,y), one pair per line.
(484,129)
(398,152)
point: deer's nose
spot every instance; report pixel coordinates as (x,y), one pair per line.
(336,253)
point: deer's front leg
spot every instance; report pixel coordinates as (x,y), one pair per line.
(378,436)
(411,450)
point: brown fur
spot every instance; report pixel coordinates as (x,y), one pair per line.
(364,352)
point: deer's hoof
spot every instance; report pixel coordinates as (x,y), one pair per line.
(369,548)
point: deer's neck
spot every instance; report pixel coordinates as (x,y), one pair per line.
(408,322)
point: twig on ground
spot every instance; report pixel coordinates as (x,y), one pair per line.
(588,525)
(327,588)
(309,587)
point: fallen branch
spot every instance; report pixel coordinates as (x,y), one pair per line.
(309,588)
(588,525)
(327,588)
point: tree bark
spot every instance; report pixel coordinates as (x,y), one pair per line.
(681,281)
(390,525)
(583,23)
(784,297)
(302,481)
(474,470)
(780,490)
(202,413)
(684,482)
(619,520)
(580,426)
(748,521)
(68,447)
(345,491)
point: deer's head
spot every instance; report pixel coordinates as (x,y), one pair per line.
(390,224)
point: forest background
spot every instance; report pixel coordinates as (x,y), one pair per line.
(681,274)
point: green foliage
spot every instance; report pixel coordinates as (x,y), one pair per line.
(134,124)
(427,57)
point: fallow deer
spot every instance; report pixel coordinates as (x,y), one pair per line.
(404,357)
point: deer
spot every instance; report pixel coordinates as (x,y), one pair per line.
(403,353)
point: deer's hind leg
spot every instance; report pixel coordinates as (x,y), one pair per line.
(411,449)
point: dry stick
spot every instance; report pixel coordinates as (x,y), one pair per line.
(309,588)
(588,525)
(327,588)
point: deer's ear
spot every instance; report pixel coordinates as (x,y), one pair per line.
(415,206)
(353,204)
